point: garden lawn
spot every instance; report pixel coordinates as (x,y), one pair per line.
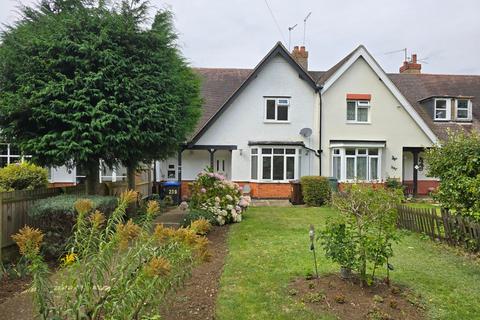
(271,247)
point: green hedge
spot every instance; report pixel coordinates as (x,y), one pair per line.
(316,190)
(22,176)
(55,216)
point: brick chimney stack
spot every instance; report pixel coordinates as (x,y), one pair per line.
(412,66)
(301,56)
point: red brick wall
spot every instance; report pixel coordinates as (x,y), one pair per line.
(60,184)
(425,186)
(258,190)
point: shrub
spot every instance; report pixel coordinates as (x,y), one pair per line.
(194,215)
(456,162)
(23,176)
(393,183)
(366,229)
(136,265)
(213,193)
(316,190)
(56,217)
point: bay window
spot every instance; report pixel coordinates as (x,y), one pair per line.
(349,164)
(273,163)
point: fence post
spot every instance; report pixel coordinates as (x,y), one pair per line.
(1,228)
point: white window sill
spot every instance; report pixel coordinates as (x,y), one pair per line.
(271,181)
(442,120)
(275,121)
(358,122)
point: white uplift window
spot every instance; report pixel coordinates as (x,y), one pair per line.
(442,110)
(351,164)
(273,164)
(358,111)
(277,109)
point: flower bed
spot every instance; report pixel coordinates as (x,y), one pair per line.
(212,193)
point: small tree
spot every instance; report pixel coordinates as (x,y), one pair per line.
(456,161)
(365,230)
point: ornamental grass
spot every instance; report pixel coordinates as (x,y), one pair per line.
(113,269)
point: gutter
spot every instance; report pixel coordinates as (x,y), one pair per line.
(320,131)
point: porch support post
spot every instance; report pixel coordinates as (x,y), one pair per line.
(179,169)
(212,153)
(415,172)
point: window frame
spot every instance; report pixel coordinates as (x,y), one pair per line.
(257,155)
(342,154)
(359,104)
(448,109)
(277,104)
(469,109)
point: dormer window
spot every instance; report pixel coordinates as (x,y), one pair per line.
(277,109)
(442,109)
(464,109)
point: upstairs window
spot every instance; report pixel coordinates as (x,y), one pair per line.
(464,109)
(277,109)
(442,109)
(358,111)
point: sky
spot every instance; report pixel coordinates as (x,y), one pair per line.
(445,34)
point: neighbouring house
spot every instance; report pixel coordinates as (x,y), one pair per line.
(266,126)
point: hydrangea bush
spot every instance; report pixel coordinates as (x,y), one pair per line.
(213,193)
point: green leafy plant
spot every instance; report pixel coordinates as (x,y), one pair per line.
(365,230)
(316,190)
(456,161)
(339,244)
(56,216)
(194,215)
(393,183)
(23,176)
(114,269)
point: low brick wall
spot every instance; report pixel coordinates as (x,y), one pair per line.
(425,187)
(258,190)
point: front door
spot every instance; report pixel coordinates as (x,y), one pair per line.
(220,166)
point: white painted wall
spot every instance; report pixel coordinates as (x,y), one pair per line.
(63,175)
(389,120)
(243,120)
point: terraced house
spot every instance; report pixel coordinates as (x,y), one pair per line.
(265,126)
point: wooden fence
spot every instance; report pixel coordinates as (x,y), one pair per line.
(441,224)
(14,205)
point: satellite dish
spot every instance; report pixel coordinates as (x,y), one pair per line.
(306,132)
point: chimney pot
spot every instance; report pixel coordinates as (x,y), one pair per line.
(412,66)
(300,55)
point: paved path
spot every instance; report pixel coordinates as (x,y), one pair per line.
(270,203)
(172,218)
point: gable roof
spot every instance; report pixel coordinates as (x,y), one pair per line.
(362,52)
(214,111)
(418,87)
